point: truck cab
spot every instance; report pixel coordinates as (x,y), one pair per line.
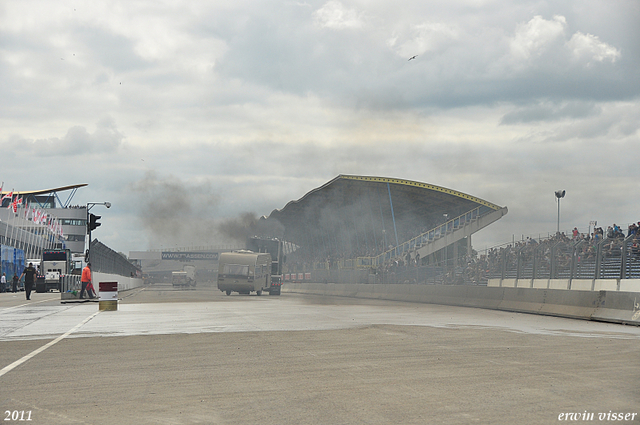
(54,266)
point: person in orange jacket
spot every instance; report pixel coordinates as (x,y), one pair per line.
(86,280)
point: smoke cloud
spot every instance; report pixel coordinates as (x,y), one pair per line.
(176,212)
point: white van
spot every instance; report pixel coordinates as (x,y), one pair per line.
(244,272)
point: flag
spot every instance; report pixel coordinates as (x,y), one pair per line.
(8,195)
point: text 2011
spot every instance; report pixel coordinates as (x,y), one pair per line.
(17,415)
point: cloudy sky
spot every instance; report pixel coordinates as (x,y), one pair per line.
(207,110)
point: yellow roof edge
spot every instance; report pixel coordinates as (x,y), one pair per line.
(422,185)
(43,191)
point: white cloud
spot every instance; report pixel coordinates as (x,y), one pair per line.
(589,48)
(76,142)
(536,36)
(336,16)
(541,38)
(424,37)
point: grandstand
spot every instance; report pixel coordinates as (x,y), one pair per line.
(377,223)
(559,257)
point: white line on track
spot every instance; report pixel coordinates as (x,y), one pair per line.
(26,304)
(34,353)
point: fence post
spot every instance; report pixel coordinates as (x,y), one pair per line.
(599,259)
(624,253)
(554,264)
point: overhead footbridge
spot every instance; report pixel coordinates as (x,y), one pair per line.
(364,221)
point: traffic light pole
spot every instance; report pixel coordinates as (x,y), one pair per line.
(92,223)
(87,258)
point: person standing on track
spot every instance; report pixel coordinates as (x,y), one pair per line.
(86,280)
(29,274)
(14,283)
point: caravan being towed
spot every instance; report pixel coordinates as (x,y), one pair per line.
(244,272)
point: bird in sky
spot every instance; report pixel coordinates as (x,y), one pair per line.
(413,57)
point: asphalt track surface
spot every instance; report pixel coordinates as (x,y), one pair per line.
(199,357)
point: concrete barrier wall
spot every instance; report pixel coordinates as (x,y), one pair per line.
(124,283)
(630,285)
(508,283)
(541,283)
(611,306)
(582,284)
(523,283)
(605,285)
(494,283)
(558,283)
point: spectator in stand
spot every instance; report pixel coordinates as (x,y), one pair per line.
(609,232)
(575,233)
(635,248)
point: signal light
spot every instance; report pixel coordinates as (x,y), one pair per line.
(93,221)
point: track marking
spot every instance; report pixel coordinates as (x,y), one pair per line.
(25,304)
(34,353)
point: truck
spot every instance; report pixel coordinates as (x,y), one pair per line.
(275,248)
(244,271)
(55,264)
(78,263)
(185,278)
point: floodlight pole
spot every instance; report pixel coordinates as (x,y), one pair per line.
(558,226)
(559,194)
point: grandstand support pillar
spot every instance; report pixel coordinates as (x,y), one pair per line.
(392,214)
(454,263)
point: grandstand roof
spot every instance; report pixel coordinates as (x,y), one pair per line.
(44,191)
(356,212)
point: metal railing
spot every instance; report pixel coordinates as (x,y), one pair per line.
(70,283)
(424,238)
(611,258)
